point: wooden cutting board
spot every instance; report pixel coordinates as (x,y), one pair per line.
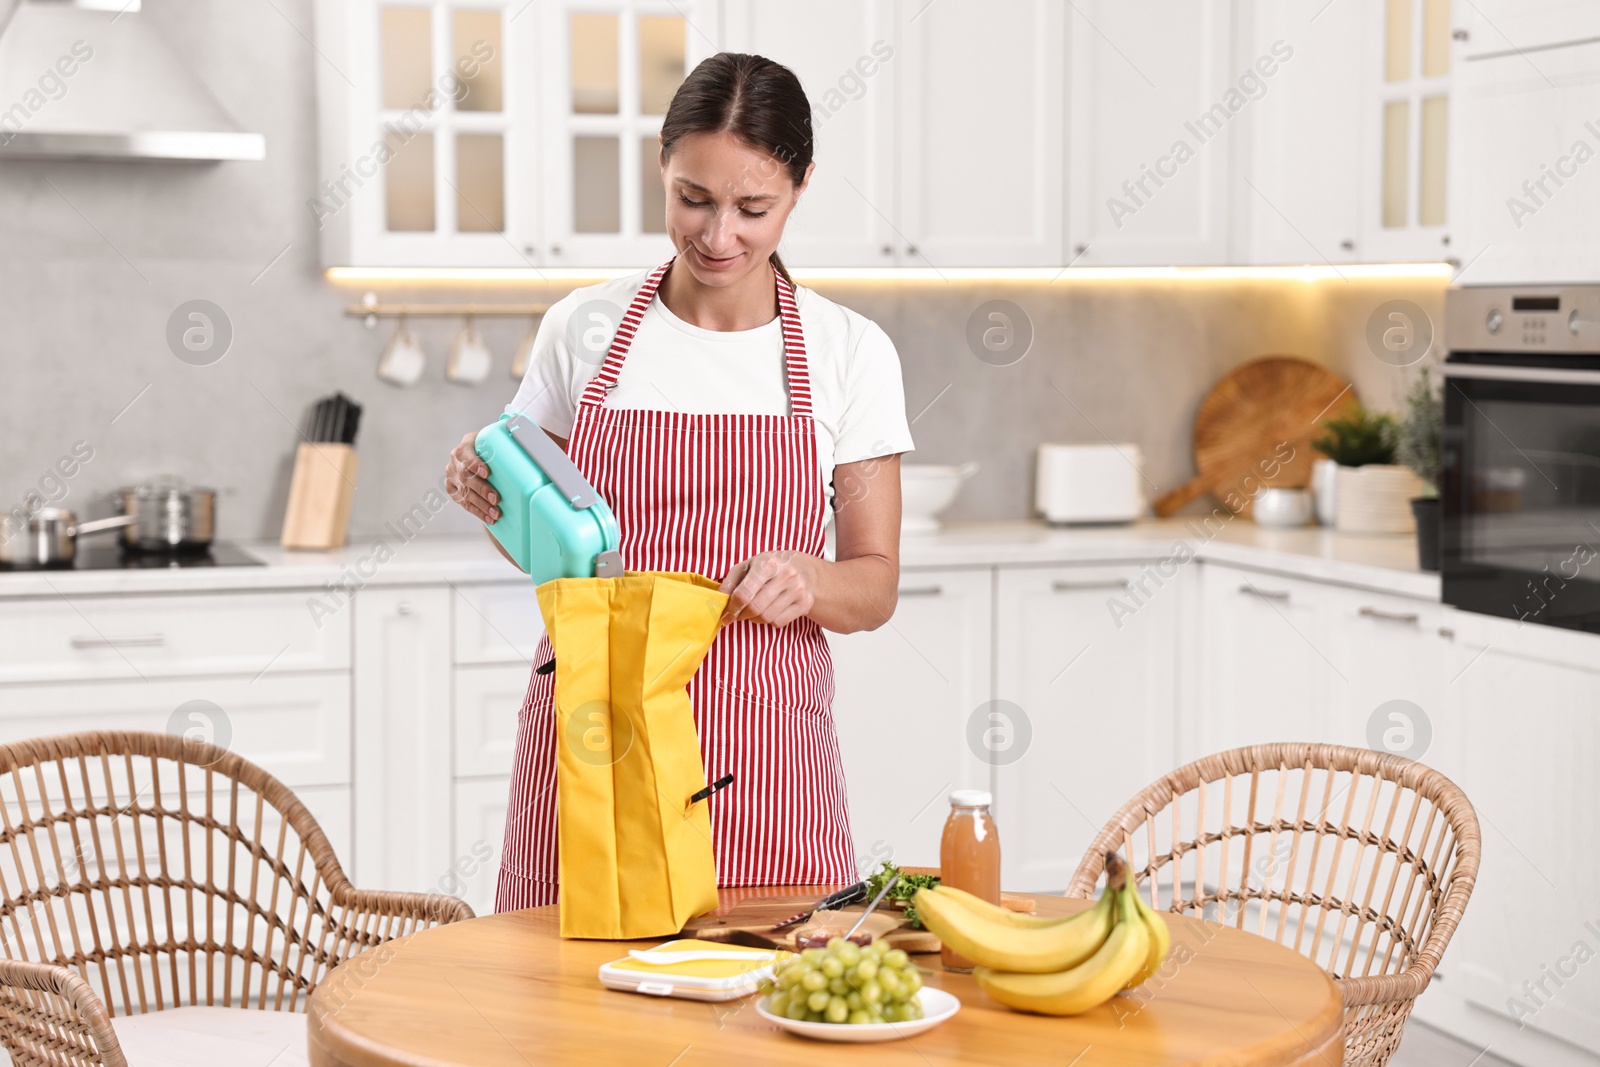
(1258,414)
(752,919)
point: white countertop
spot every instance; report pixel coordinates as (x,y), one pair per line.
(1387,564)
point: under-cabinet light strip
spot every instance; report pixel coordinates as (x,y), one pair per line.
(557,276)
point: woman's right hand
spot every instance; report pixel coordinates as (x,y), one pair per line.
(464,480)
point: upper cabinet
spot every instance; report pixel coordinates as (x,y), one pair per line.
(498,134)
(937,128)
(515,133)
(1526,133)
(1156,108)
(1349,142)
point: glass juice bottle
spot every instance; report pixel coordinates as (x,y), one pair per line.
(969,857)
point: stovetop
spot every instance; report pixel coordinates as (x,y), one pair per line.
(102,555)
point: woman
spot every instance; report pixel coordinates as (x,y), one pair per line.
(731,410)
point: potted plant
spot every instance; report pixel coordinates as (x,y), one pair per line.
(1417,446)
(1373,492)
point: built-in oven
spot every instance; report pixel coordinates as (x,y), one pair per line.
(1520,457)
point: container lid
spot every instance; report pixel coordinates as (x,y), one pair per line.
(726,975)
(970,798)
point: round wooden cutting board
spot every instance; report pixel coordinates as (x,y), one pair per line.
(1255,428)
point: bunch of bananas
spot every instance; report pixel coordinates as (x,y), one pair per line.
(1053,966)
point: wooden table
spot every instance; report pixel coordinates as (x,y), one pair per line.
(506,990)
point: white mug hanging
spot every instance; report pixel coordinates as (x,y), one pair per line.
(519,362)
(470,358)
(403,359)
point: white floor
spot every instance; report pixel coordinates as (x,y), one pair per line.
(1424,1046)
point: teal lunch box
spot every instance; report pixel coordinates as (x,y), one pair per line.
(552,522)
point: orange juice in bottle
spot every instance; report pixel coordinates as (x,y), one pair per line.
(969,857)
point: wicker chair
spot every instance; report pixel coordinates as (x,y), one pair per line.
(142,871)
(1360,860)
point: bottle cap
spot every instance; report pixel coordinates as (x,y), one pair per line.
(970,798)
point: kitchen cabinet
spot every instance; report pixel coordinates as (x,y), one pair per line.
(906,697)
(1525,134)
(1523,702)
(1390,662)
(1154,116)
(979,133)
(847,56)
(498,134)
(917,163)
(1086,666)
(1304,138)
(403,720)
(477,834)
(1262,670)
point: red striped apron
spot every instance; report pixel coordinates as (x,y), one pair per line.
(702,493)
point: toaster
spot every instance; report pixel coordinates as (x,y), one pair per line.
(1089,483)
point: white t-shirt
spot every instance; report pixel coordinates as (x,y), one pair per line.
(856,393)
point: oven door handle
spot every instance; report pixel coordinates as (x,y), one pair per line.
(1497,373)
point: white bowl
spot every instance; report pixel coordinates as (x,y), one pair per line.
(1282,507)
(926,490)
(937,1006)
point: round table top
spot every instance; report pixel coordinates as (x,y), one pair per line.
(506,989)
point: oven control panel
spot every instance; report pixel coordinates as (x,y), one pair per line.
(1538,318)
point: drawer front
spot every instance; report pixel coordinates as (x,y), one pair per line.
(497,623)
(295,726)
(487,703)
(144,637)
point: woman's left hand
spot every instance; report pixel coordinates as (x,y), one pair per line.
(773,587)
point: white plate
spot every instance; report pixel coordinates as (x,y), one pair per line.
(937,1006)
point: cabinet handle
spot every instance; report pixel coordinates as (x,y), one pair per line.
(555,250)
(888,250)
(1062,586)
(911,250)
(1348,245)
(1391,616)
(136,641)
(1265,594)
(922,590)
(1447,632)
(1460,35)
(403,608)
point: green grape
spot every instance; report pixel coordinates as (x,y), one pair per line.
(867,969)
(813,981)
(896,957)
(815,1017)
(788,977)
(818,1000)
(890,982)
(854,1000)
(911,1010)
(859,1018)
(891,1013)
(913,981)
(837,1010)
(838,986)
(871,992)
(794,1011)
(832,967)
(848,953)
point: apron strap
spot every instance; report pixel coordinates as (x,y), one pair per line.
(796,372)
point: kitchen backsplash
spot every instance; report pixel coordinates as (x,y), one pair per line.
(102,255)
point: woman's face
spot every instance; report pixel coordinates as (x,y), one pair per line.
(726,206)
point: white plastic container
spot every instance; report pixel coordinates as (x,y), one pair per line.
(711,979)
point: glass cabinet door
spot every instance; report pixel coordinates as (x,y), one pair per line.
(612,70)
(1412,107)
(435,134)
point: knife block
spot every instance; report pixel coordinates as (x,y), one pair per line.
(320,494)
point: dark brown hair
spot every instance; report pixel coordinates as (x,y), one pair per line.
(758,101)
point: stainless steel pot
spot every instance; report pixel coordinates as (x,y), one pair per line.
(50,538)
(168,516)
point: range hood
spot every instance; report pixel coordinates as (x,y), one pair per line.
(92,79)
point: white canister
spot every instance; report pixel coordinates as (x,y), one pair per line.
(1376,499)
(1325,488)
